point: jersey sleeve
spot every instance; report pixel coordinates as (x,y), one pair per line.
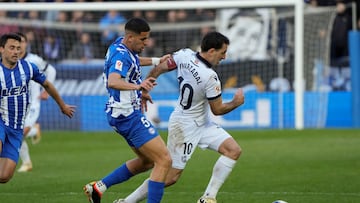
(38,61)
(50,73)
(213,87)
(120,63)
(38,76)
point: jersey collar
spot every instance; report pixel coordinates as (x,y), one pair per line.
(203,60)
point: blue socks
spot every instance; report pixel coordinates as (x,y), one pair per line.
(119,175)
(155,191)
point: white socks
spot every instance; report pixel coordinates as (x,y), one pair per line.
(139,194)
(24,152)
(100,186)
(221,171)
(32,132)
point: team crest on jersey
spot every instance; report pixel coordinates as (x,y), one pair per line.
(23,77)
(118,65)
(151,130)
(217,89)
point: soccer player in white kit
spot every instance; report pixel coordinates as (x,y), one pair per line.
(190,124)
(32,128)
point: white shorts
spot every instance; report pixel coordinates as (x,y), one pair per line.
(32,116)
(185,135)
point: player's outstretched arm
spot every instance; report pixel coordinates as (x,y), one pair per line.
(165,66)
(66,109)
(148,61)
(219,108)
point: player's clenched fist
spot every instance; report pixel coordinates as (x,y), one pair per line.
(239,97)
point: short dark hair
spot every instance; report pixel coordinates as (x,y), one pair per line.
(22,35)
(137,25)
(4,38)
(213,40)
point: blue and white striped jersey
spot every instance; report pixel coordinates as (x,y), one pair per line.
(14,96)
(121,60)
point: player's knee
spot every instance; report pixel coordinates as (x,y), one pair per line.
(171,181)
(4,178)
(172,178)
(233,152)
(147,164)
(230,149)
(237,152)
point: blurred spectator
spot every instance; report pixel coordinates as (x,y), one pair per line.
(83,49)
(33,43)
(6,28)
(62,17)
(152,48)
(175,38)
(339,50)
(110,26)
(78,18)
(52,15)
(18,14)
(52,48)
(197,39)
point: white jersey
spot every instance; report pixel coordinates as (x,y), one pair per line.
(198,83)
(35,88)
(189,124)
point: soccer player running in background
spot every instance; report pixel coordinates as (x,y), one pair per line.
(190,124)
(122,77)
(15,75)
(31,128)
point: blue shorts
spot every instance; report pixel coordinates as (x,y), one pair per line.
(135,128)
(11,140)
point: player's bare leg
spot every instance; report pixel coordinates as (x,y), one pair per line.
(230,152)
(141,192)
(7,168)
(153,154)
(157,151)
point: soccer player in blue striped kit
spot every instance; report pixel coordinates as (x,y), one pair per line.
(15,75)
(127,91)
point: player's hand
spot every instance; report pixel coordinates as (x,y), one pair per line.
(68,110)
(145,97)
(239,97)
(148,84)
(165,57)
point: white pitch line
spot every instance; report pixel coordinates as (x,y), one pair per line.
(185,193)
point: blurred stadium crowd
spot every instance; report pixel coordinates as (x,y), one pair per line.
(88,34)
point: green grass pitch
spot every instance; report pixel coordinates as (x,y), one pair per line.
(319,166)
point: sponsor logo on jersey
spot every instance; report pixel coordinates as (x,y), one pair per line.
(14,91)
(118,65)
